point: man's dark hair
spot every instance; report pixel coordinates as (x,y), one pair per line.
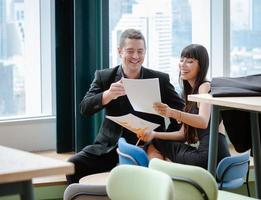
(131,34)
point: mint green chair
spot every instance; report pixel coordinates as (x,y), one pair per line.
(130,182)
(192,182)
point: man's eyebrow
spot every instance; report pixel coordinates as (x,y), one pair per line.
(133,49)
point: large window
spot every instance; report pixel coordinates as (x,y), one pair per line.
(168,26)
(245,34)
(25,59)
(230,30)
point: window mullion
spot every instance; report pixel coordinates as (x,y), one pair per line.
(32,58)
(220,38)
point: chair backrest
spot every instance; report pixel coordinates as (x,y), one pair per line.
(78,191)
(131,154)
(233,167)
(190,182)
(129,182)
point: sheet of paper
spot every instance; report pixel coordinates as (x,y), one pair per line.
(142,93)
(133,123)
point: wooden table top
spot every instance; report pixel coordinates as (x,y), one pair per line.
(246,103)
(17,165)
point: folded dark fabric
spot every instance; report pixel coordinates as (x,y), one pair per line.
(236,87)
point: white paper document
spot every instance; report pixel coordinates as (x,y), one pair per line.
(133,123)
(142,93)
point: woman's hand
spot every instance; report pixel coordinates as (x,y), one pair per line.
(162,109)
(146,135)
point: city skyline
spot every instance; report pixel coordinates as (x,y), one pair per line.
(168,26)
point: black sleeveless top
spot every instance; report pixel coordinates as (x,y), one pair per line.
(183,153)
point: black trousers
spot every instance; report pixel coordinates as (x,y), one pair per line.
(238,126)
(87,164)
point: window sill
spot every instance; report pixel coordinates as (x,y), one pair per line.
(28,120)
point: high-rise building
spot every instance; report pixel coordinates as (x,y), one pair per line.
(125,22)
(3,44)
(11,36)
(181,25)
(156,25)
(256,8)
(245,31)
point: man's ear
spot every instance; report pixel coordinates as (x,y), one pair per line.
(119,51)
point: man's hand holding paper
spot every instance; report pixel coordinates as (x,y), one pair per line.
(116,90)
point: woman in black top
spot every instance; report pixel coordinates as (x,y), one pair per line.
(195,118)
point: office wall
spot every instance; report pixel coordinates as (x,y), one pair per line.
(29,135)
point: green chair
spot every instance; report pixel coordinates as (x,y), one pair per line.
(191,182)
(130,182)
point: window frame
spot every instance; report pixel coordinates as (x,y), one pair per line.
(220,38)
(42,130)
(38,133)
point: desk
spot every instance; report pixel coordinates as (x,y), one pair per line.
(251,104)
(18,168)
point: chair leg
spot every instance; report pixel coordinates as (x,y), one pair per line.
(247,183)
(221,186)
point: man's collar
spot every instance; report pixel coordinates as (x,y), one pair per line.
(120,72)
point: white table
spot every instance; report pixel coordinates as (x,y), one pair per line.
(18,168)
(251,104)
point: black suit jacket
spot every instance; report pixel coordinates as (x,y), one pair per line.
(110,132)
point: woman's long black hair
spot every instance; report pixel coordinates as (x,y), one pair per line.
(198,52)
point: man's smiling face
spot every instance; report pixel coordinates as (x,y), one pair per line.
(132,54)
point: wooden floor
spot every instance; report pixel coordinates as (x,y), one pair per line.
(52,180)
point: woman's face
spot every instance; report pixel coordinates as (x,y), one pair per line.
(189,68)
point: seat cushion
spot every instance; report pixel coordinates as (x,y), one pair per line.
(95,179)
(232,184)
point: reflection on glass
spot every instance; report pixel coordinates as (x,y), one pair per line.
(12,92)
(166,25)
(245,37)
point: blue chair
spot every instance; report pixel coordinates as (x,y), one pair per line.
(231,171)
(131,154)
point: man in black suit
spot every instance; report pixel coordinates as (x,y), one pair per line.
(107,91)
